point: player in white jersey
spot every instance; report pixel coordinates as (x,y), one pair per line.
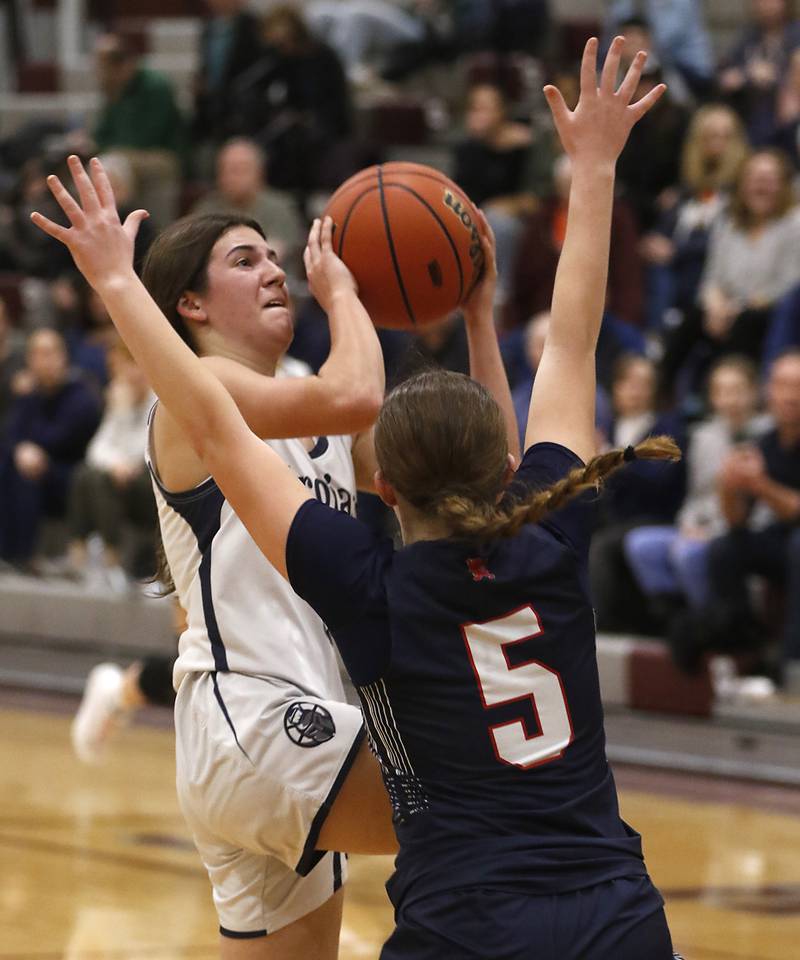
(272,765)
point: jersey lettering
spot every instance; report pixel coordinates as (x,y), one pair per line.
(339,498)
(500,682)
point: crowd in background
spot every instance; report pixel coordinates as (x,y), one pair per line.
(701,336)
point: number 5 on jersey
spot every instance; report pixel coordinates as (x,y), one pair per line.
(500,682)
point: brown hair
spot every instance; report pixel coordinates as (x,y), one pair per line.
(440,440)
(735,361)
(740,215)
(177,261)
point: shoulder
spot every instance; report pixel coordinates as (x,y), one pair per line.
(542,465)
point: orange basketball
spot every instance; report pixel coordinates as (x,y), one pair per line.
(410,237)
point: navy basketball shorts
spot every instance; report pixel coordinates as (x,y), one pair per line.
(618,920)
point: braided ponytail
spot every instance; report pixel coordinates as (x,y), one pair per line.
(486,521)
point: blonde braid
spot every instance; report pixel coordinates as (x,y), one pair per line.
(481,521)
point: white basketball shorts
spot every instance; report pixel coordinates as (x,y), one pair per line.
(259,764)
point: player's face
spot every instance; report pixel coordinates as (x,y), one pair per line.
(246,299)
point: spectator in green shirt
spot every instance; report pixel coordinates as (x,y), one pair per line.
(140,118)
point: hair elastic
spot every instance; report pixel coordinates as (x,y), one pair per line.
(628,454)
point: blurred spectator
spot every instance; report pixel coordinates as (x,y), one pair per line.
(760,496)
(643,493)
(784,328)
(753,259)
(490,165)
(502,26)
(675,250)
(539,248)
(86,326)
(49,428)
(534,338)
(294,101)
(440,344)
(787,111)
(241,187)
(754,70)
(676,35)
(111,489)
(366,33)
(140,119)
(12,360)
(648,170)
(25,247)
(669,562)
(230,44)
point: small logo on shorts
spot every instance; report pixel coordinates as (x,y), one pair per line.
(308,724)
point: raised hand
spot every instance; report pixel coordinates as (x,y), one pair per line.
(327,273)
(481,301)
(101,246)
(597,129)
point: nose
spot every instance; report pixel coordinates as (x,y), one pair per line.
(272,274)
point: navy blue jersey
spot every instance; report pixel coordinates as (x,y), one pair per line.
(478,676)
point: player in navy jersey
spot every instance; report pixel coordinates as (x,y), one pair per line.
(472,646)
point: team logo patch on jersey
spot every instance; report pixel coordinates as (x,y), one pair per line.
(308,724)
(477,567)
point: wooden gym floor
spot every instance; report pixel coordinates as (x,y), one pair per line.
(95,863)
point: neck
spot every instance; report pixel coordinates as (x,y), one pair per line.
(416,526)
(265,365)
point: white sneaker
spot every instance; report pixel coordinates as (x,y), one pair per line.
(99,714)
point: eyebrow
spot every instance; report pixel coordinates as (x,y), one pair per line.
(251,248)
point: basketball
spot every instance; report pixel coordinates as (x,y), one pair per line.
(410,237)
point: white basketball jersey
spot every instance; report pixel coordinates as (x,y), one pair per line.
(242,615)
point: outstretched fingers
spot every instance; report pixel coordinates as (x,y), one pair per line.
(133,221)
(631,80)
(589,68)
(102,184)
(54,230)
(608,78)
(86,191)
(558,108)
(66,201)
(640,108)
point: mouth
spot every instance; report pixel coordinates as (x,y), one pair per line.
(276,302)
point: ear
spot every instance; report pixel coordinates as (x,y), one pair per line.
(384,489)
(511,468)
(190,308)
